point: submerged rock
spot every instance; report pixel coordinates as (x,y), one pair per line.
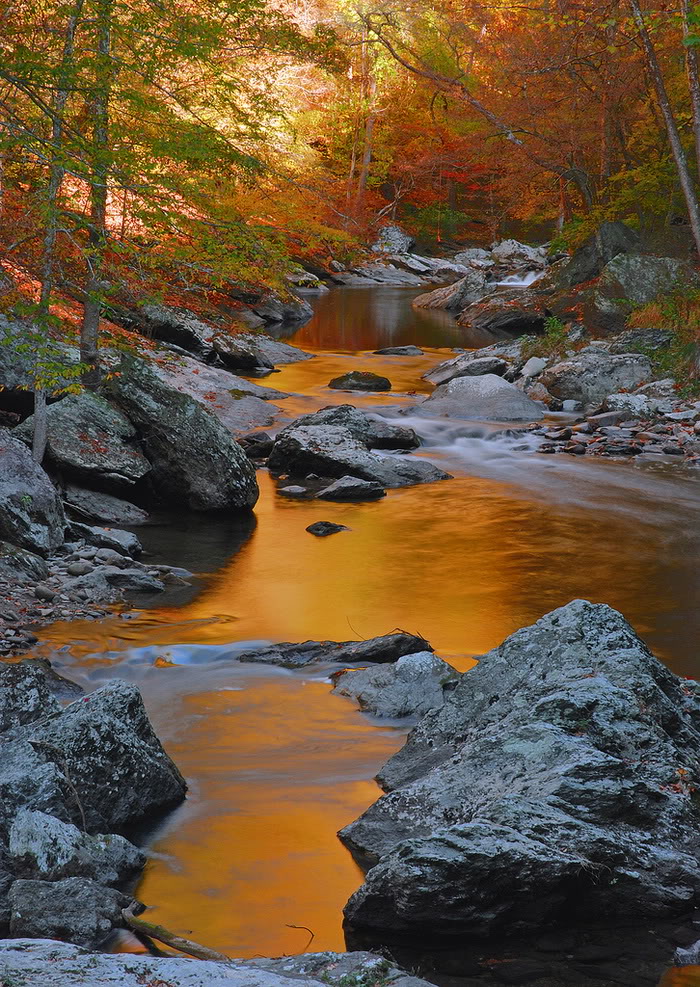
(349,488)
(360,380)
(387,648)
(324,528)
(484,398)
(332,451)
(399,351)
(556,783)
(31,513)
(409,687)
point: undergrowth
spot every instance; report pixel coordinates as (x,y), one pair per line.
(679,313)
(553,341)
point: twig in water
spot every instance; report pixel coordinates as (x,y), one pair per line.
(362,639)
(158,932)
(306,929)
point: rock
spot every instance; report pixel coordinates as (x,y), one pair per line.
(20,565)
(455,297)
(79,568)
(399,351)
(277,352)
(512,252)
(409,687)
(505,312)
(641,341)
(178,326)
(76,909)
(42,963)
(196,463)
(371,430)
(466,365)
(534,366)
(131,580)
(247,351)
(592,374)
(29,779)
(393,240)
(274,309)
(102,507)
(378,273)
(631,280)
(332,451)
(116,539)
(118,768)
(90,438)
(474,257)
(58,686)
(485,398)
(44,848)
(588,260)
(25,695)
(31,514)
(351,488)
(555,784)
(295,490)
(635,404)
(360,380)
(257,445)
(324,528)
(388,648)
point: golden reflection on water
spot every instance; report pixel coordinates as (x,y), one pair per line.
(276,764)
(681,976)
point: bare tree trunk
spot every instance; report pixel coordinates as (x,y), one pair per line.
(691,64)
(56,175)
(679,156)
(366,158)
(92,306)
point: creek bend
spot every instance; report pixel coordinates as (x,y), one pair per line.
(276,764)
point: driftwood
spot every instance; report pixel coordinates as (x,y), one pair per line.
(151,931)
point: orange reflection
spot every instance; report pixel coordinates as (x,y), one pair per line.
(681,976)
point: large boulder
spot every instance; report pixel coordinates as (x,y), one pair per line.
(474,257)
(332,451)
(455,297)
(91,439)
(272,308)
(466,365)
(594,373)
(556,784)
(44,848)
(116,769)
(20,565)
(409,687)
(196,463)
(631,280)
(504,313)
(249,351)
(30,779)
(374,432)
(484,398)
(513,254)
(25,695)
(392,239)
(387,648)
(588,260)
(95,505)
(76,909)
(31,513)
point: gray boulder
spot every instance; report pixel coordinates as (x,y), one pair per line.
(399,351)
(272,308)
(76,909)
(30,779)
(393,240)
(466,365)
(556,780)
(409,687)
(360,380)
(503,313)
(25,695)
(371,430)
(94,505)
(332,451)
(20,565)
(116,539)
(485,398)
(106,745)
(90,438)
(31,513)
(641,341)
(196,463)
(588,260)
(388,648)
(594,373)
(474,257)
(351,488)
(514,254)
(455,297)
(43,848)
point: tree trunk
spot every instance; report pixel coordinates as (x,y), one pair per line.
(691,64)
(674,139)
(92,306)
(56,174)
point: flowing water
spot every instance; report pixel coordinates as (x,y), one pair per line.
(275,763)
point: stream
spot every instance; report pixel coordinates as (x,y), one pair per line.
(275,763)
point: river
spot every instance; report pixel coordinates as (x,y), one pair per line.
(275,763)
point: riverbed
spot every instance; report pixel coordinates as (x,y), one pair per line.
(275,763)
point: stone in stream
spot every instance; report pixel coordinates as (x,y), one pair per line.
(455,297)
(409,687)
(49,963)
(104,508)
(556,783)
(90,438)
(387,648)
(196,462)
(31,514)
(332,451)
(484,398)
(124,542)
(351,488)
(76,908)
(593,373)
(360,380)
(467,366)
(399,351)
(372,431)
(324,528)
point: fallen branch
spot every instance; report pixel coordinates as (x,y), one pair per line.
(306,929)
(152,931)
